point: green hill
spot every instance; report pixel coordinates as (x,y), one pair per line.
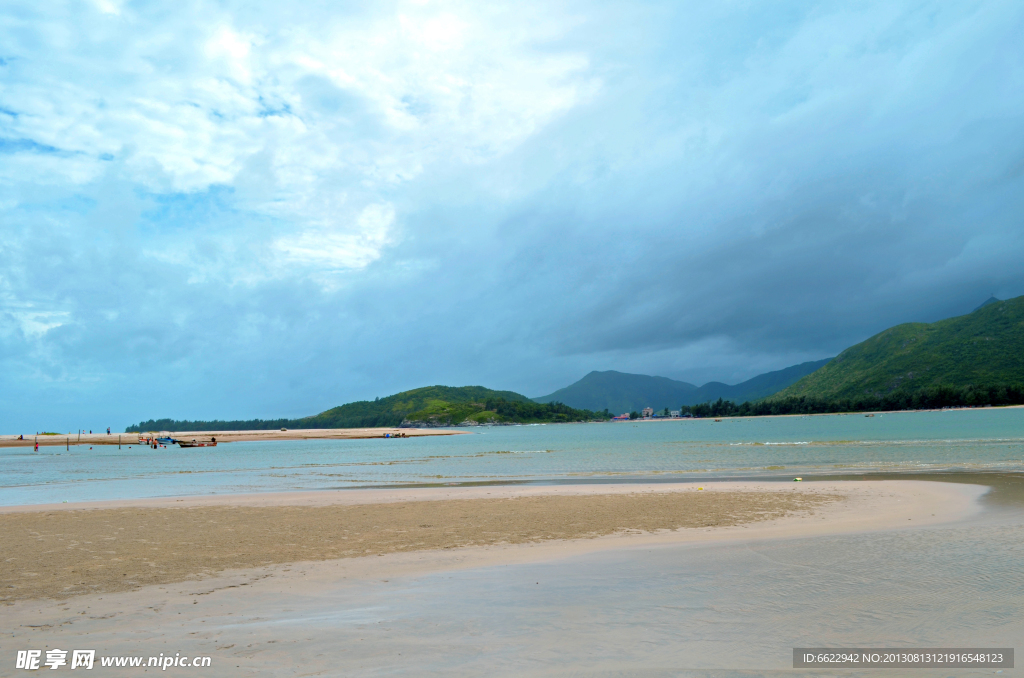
(981,349)
(619,392)
(429,406)
(430,403)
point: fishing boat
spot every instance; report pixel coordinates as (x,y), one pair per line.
(197,443)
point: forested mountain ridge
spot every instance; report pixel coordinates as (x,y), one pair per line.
(984,348)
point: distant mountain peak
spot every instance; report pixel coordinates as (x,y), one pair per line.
(987,302)
(620,392)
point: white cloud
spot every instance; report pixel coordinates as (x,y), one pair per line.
(108,6)
(335,105)
(439,33)
(333,247)
(30,319)
(34,323)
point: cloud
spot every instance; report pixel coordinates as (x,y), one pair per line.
(327,249)
(277,209)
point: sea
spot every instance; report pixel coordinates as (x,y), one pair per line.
(700,609)
(980,440)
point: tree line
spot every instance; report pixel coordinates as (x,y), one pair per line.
(932,398)
(525,412)
(361,420)
(214,425)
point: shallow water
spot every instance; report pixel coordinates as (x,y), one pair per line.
(693,609)
(965,440)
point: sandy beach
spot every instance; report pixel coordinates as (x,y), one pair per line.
(64,439)
(243,579)
(66,550)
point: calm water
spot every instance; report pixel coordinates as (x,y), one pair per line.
(691,610)
(973,440)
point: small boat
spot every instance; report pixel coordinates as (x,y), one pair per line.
(166,440)
(197,443)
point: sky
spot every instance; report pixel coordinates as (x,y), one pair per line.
(264,209)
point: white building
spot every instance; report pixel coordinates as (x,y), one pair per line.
(648,412)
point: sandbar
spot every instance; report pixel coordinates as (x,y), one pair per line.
(67,550)
(98,438)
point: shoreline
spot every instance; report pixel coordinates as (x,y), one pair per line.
(1000,486)
(129,547)
(361,495)
(47,440)
(864,413)
(132,439)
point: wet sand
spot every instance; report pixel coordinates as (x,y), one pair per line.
(126,439)
(266,588)
(61,553)
(1005,489)
(65,550)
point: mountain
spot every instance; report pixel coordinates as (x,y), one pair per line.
(987,302)
(437,401)
(620,392)
(983,348)
(428,406)
(761,386)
